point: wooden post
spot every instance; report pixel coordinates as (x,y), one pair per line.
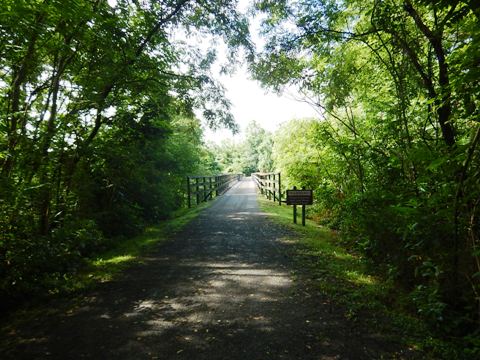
(204,188)
(274,189)
(303,211)
(189,201)
(294,210)
(216,185)
(197,191)
(266,186)
(269,188)
(279,189)
(210,187)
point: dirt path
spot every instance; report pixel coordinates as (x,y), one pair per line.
(222,289)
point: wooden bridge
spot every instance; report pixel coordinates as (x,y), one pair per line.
(206,187)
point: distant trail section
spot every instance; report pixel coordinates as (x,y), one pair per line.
(221,289)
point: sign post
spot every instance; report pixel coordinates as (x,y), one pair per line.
(303,215)
(279,189)
(299,197)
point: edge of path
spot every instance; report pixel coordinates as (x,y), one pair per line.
(367,298)
(103,267)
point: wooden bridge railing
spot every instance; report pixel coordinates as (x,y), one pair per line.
(270,185)
(205,187)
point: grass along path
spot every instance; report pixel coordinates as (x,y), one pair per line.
(105,267)
(366,297)
(225,287)
(108,265)
(126,252)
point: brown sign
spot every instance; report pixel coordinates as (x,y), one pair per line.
(299,197)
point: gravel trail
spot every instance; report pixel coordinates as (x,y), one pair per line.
(223,288)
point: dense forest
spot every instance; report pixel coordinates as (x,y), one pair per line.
(251,154)
(395,160)
(100,125)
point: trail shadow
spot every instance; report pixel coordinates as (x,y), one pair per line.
(223,289)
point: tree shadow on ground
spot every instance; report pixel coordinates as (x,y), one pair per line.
(222,290)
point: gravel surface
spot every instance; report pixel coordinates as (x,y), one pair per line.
(221,289)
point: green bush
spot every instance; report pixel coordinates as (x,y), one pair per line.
(31,263)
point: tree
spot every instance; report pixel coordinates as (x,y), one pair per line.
(257,149)
(253,154)
(394,82)
(91,93)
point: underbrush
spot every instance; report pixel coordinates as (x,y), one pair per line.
(59,269)
(366,292)
(105,266)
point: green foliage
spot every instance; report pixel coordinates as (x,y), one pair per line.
(345,277)
(394,159)
(254,154)
(105,265)
(97,124)
(31,265)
